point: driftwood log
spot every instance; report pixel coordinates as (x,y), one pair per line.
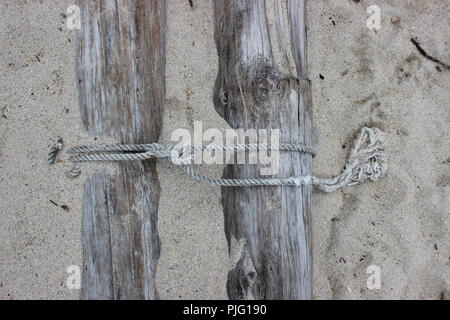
(262,84)
(121,69)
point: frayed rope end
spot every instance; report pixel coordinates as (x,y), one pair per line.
(367,160)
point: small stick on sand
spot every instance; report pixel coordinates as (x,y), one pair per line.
(426,55)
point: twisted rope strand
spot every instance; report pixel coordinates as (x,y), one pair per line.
(54,150)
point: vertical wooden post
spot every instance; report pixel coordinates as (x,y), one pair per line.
(121,70)
(261,85)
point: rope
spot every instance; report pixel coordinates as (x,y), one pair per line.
(54,150)
(366,160)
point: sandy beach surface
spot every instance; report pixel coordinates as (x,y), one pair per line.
(360,76)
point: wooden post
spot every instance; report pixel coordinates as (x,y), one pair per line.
(262,84)
(121,69)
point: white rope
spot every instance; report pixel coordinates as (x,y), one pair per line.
(366,160)
(54,150)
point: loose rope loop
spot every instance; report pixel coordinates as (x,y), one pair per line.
(366,160)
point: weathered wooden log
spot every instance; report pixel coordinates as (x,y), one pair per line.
(121,69)
(262,84)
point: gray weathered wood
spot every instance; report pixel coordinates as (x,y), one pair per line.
(121,69)
(262,84)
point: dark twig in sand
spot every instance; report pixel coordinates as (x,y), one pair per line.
(53,202)
(426,55)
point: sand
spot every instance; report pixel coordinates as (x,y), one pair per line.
(399,224)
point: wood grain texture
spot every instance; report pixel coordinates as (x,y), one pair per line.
(268,228)
(121,70)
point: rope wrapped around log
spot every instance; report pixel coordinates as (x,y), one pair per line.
(366,161)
